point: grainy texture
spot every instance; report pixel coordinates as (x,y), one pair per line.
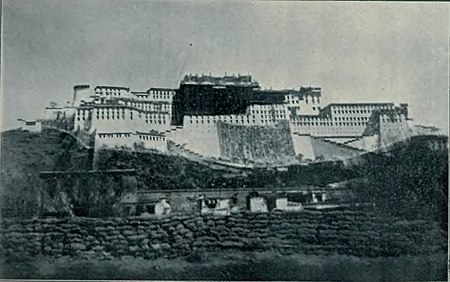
(332,232)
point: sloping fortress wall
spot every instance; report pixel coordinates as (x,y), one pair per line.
(261,144)
(329,150)
(311,232)
(303,147)
(199,135)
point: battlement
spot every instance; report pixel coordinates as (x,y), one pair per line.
(239,80)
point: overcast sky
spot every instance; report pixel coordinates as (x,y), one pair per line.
(357,52)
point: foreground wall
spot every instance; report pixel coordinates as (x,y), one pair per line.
(344,232)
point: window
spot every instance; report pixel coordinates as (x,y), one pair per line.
(150,209)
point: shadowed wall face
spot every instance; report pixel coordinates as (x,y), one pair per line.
(260,144)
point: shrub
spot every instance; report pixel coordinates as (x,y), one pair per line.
(196,256)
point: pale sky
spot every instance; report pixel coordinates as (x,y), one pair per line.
(357,52)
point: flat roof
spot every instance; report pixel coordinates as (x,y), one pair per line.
(152,133)
(116,132)
(359,104)
(113,87)
(48,174)
(82,86)
(160,88)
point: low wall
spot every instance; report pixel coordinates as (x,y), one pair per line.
(311,232)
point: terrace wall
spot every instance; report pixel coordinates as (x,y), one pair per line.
(311,232)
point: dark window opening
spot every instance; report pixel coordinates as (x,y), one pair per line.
(150,209)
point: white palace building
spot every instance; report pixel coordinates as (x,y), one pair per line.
(231,119)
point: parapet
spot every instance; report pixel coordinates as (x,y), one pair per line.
(239,80)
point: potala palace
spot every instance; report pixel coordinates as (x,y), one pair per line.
(230,119)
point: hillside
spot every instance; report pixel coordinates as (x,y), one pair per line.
(25,154)
(410,181)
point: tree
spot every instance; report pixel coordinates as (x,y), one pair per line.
(410,182)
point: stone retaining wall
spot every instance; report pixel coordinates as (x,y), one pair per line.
(311,232)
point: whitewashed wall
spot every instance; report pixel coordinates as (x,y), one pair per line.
(302,145)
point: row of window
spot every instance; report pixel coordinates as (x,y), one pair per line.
(243,121)
(150,106)
(103,135)
(364,110)
(301,98)
(289,97)
(352,111)
(115,111)
(267,111)
(147,115)
(295,102)
(83,112)
(300,123)
(151,116)
(145,137)
(152,138)
(108,92)
(216,117)
(156,121)
(306,101)
(273,116)
(351,118)
(161,95)
(394,120)
(337,132)
(148,119)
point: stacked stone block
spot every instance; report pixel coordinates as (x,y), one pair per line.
(311,232)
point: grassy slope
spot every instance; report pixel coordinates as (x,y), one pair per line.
(413,170)
(24,155)
(171,172)
(232,265)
